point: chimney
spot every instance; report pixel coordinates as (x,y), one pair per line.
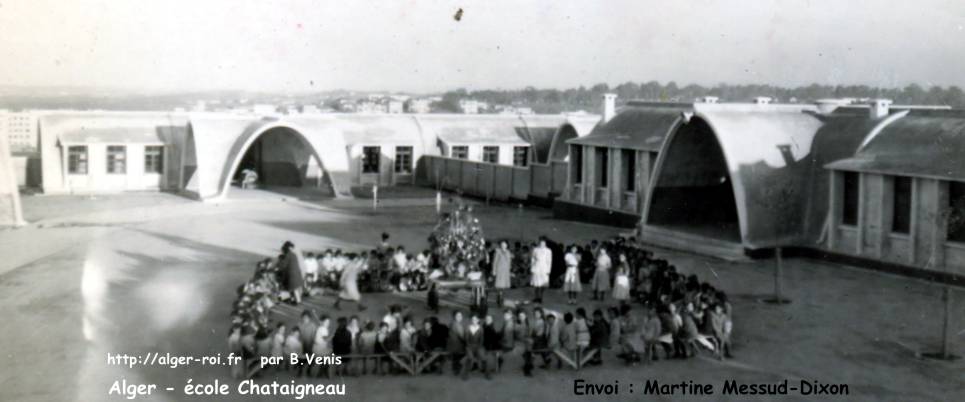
(609,106)
(879,108)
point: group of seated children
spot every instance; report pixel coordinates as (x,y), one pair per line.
(673,312)
(679,327)
(389,269)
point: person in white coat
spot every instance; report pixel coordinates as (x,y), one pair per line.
(540,270)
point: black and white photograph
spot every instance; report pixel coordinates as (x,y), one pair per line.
(535,200)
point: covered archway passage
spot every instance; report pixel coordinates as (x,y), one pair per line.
(733,179)
(694,193)
(286,164)
(559,150)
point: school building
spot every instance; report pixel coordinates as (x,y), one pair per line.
(202,154)
(609,169)
(866,180)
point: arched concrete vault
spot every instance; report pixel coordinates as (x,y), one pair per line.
(292,145)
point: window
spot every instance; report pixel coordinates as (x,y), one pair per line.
(77,159)
(520,156)
(460,152)
(403,160)
(153,159)
(852,183)
(576,160)
(602,167)
(491,154)
(116,159)
(629,160)
(956,212)
(371,157)
(901,208)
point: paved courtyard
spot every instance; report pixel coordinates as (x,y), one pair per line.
(157,273)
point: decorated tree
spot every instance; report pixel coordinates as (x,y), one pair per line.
(458,240)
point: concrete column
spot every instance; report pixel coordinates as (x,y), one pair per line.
(939,229)
(886,215)
(613,179)
(616,178)
(643,179)
(835,189)
(859,244)
(589,175)
(913,227)
(568,188)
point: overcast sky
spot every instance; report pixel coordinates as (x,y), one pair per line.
(418,46)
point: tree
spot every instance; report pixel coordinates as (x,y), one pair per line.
(913,94)
(583,98)
(445,106)
(954,97)
(650,90)
(600,88)
(627,90)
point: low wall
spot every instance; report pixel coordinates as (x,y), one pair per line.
(492,181)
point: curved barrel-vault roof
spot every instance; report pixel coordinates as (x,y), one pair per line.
(478,129)
(221,141)
(575,126)
(326,144)
(543,132)
(920,143)
(213,138)
(210,144)
(773,155)
(639,126)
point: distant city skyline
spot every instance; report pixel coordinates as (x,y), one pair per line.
(308,46)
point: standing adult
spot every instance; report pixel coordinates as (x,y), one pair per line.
(348,282)
(540,270)
(601,277)
(502,269)
(291,263)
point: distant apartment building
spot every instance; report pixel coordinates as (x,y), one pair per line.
(420,105)
(510,109)
(345,105)
(264,108)
(310,109)
(371,107)
(469,106)
(21,129)
(395,106)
